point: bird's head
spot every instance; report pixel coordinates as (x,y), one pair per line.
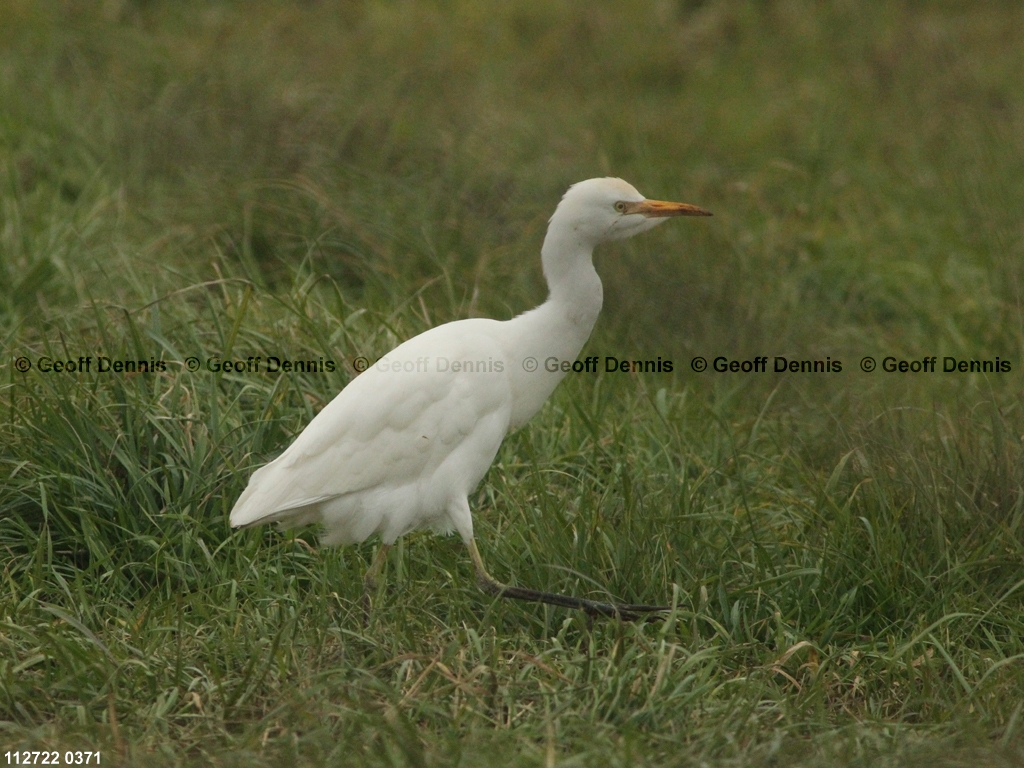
(611,209)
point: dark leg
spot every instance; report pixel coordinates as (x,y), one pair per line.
(370,579)
(493,587)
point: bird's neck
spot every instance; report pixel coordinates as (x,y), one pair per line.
(541,340)
(575,292)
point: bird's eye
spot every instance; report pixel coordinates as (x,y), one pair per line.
(620,206)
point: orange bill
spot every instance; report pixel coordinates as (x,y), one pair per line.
(660,208)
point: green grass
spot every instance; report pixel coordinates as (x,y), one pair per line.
(844,553)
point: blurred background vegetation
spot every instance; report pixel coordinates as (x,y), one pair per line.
(863,162)
(318,178)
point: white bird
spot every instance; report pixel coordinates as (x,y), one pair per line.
(406,442)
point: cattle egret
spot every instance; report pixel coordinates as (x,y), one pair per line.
(406,442)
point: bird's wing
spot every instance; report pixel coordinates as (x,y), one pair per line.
(388,427)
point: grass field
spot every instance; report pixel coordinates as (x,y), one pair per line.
(844,552)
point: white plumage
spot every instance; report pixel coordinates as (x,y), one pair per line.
(407,441)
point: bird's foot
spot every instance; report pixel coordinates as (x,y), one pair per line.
(624,612)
